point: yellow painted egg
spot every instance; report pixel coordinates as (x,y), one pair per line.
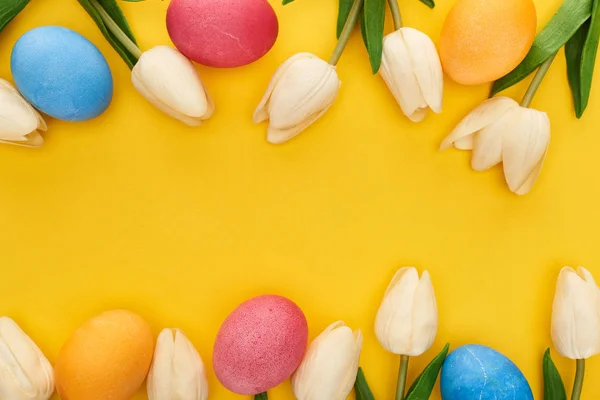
(483,40)
(107,358)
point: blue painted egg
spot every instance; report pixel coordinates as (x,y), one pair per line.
(474,372)
(61,73)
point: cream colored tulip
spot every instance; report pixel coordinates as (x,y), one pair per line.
(500,130)
(20,123)
(300,92)
(329,368)
(407,319)
(412,70)
(25,373)
(167,79)
(177,371)
(576,314)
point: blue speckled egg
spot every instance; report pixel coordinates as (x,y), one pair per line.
(474,372)
(61,73)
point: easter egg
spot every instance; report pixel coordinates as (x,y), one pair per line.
(260,344)
(475,372)
(222,33)
(61,73)
(108,357)
(483,40)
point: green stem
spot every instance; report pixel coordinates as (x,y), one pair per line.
(401,388)
(537,81)
(396,15)
(578,380)
(114,28)
(346,32)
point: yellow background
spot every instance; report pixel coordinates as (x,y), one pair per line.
(136,210)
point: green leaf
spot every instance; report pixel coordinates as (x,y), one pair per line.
(261,396)
(10,9)
(287,2)
(133,1)
(428,3)
(573,53)
(374,20)
(423,386)
(115,12)
(361,387)
(588,57)
(554,389)
(343,13)
(563,25)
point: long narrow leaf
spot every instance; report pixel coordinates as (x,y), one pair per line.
(423,386)
(374,20)
(588,57)
(113,9)
(554,388)
(343,13)
(573,53)
(10,9)
(428,3)
(284,2)
(563,25)
(361,387)
(261,396)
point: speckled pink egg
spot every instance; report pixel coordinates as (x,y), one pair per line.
(222,33)
(260,344)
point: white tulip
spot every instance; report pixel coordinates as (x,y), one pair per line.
(500,130)
(576,314)
(300,92)
(328,370)
(412,70)
(407,319)
(25,373)
(177,371)
(167,79)
(20,123)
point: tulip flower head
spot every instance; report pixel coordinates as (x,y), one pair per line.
(412,70)
(329,368)
(25,373)
(20,123)
(500,130)
(576,314)
(299,93)
(177,371)
(167,79)
(407,319)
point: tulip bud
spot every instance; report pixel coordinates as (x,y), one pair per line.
(19,121)
(25,373)
(412,70)
(576,314)
(167,79)
(329,368)
(407,319)
(300,92)
(177,371)
(500,130)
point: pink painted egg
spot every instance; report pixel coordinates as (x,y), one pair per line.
(260,344)
(222,33)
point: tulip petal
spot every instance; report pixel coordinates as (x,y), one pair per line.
(524,148)
(330,365)
(169,81)
(33,140)
(575,315)
(427,67)
(483,115)
(17,117)
(261,113)
(278,136)
(487,143)
(189,374)
(398,73)
(424,317)
(393,324)
(159,377)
